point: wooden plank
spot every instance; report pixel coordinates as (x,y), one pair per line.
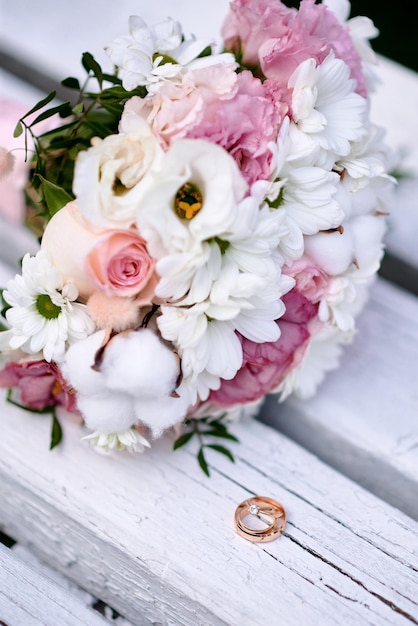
(154,538)
(363,420)
(27,598)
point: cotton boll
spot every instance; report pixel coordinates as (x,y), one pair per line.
(367,232)
(107,412)
(139,364)
(332,252)
(77,365)
(343,198)
(364,200)
(162,413)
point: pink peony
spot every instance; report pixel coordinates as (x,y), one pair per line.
(178,106)
(237,112)
(40,384)
(323,24)
(278,39)
(119,263)
(244,126)
(311,280)
(250,23)
(266,364)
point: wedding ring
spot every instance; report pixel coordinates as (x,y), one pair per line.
(260,519)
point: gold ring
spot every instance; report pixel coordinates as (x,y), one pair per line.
(260,519)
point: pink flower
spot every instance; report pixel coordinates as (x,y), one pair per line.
(40,384)
(178,106)
(244,125)
(12,201)
(311,280)
(250,23)
(12,157)
(237,112)
(322,23)
(110,260)
(266,364)
(277,39)
(119,263)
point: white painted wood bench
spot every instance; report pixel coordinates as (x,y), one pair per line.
(151,535)
(30,598)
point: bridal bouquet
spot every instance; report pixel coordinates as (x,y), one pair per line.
(210,219)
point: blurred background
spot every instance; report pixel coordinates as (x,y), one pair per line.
(398,26)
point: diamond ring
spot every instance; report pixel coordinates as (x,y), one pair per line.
(260,519)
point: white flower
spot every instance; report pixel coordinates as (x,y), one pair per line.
(345,295)
(326,109)
(130,440)
(150,55)
(304,196)
(44,315)
(361,28)
(192,200)
(108,176)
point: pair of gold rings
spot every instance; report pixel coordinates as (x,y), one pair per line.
(260,519)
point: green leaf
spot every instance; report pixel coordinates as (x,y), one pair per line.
(90,65)
(71,83)
(18,130)
(221,450)
(182,440)
(221,434)
(111,78)
(202,462)
(41,104)
(100,130)
(64,110)
(55,197)
(78,108)
(56,432)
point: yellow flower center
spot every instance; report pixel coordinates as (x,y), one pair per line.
(188,201)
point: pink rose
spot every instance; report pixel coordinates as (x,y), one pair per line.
(266,364)
(110,260)
(119,263)
(311,280)
(40,384)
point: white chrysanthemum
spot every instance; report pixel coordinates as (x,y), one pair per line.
(130,440)
(304,197)
(108,176)
(218,264)
(326,110)
(150,55)
(366,177)
(44,315)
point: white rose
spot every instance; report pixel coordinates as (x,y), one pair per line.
(108,176)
